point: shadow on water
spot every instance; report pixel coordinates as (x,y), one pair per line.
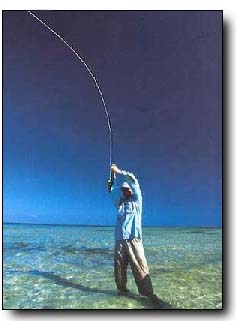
(146,303)
(60,281)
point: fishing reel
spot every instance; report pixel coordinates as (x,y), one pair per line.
(110,181)
(109,185)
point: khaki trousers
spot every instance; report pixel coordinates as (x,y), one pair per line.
(132,252)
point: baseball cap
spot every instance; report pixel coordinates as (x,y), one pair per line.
(125,185)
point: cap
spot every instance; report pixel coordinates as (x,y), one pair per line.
(125,185)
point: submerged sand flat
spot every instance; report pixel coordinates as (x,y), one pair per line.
(71,267)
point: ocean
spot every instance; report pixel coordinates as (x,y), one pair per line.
(71,267)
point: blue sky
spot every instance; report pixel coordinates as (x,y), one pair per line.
(161,77)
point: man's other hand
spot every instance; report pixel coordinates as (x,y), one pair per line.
(115,169)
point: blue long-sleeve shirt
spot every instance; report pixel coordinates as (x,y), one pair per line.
(129,212)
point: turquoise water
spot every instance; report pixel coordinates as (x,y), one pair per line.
(71,267)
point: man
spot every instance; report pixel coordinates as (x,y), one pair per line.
(128,234)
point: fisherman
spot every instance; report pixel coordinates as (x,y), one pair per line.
(127,198)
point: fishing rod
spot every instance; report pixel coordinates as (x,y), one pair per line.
(111,144)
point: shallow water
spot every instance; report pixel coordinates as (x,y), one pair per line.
(71,267)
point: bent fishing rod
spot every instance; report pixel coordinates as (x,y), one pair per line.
(111,144)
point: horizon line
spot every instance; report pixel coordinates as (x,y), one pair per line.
(102,225)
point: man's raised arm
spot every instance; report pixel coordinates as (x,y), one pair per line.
(113,189)
(131,180)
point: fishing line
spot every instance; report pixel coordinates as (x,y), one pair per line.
(93,77)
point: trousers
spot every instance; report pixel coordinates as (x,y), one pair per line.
(132,252)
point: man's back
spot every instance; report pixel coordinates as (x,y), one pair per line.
(129,210)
